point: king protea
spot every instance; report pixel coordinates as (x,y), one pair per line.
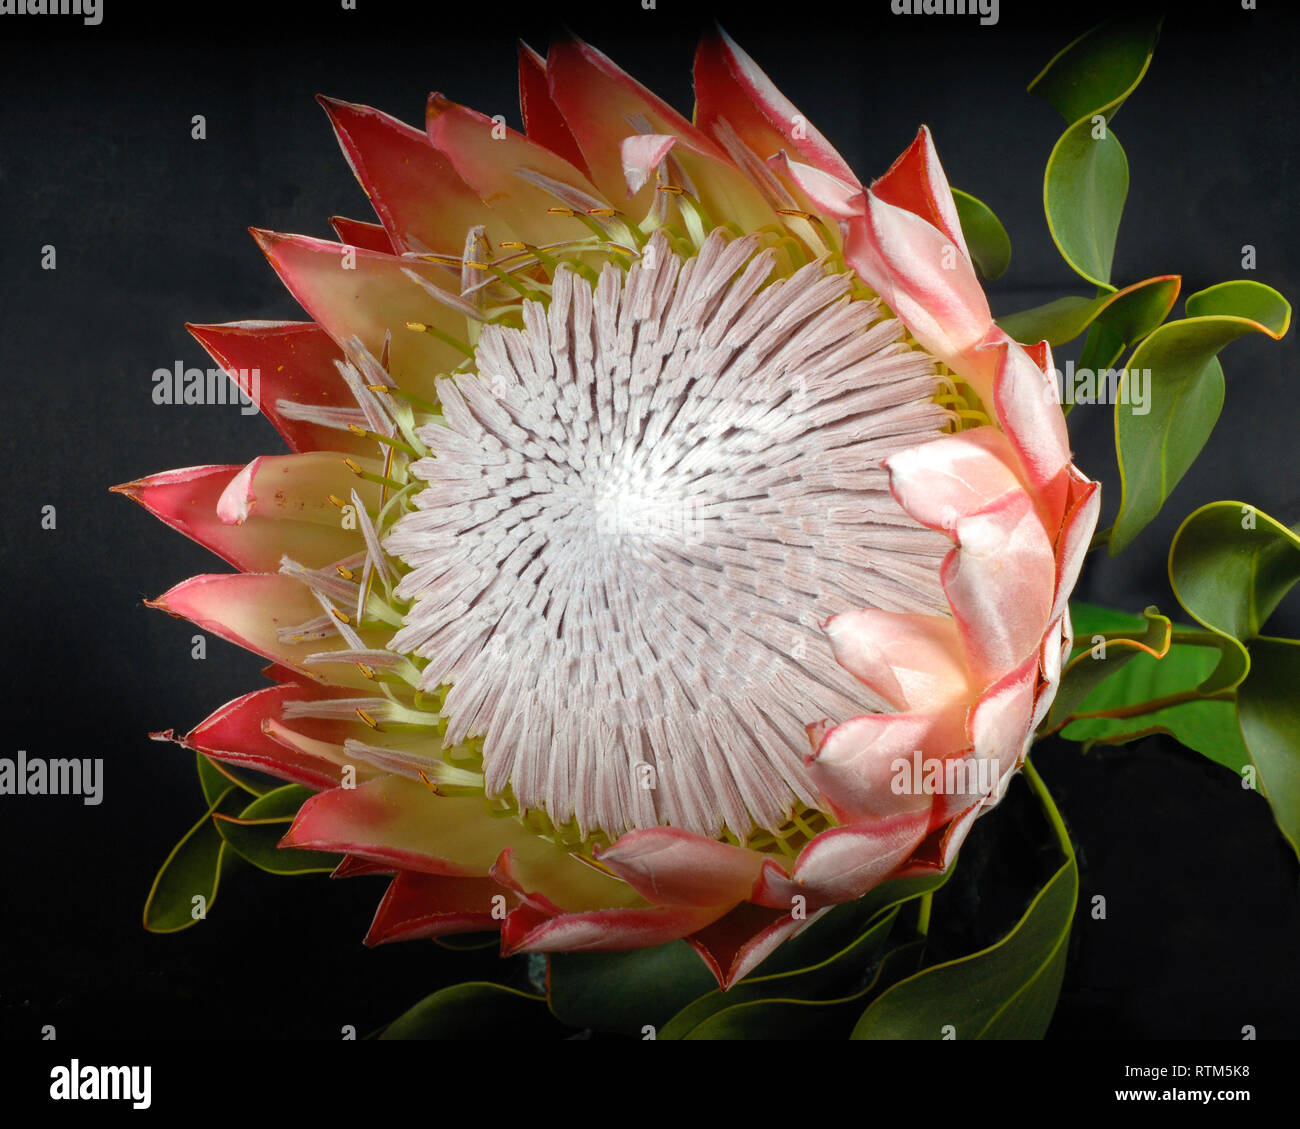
(656,492)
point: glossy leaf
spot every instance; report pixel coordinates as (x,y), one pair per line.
(476,1010)
(255,834)
(1208,727)
(785,1019)
(1230,565)
(1128,314)
(833,976)
(1186,395)
(1100,69)
(839,926)
(1007,991)
(989,244)
(1083,195)
(624,992)
(192,869)
(1094,663)
(1268,707)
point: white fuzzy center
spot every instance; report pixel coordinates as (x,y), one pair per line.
(638,514)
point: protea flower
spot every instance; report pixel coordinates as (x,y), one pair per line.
(657,493)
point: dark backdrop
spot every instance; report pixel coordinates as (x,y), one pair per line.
(96,158)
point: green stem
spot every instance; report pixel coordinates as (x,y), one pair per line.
(1049,806)
(923,914)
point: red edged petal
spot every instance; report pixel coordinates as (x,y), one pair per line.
(543,121)
(358,233)
(527,930)
(490,158)
(417,195)
(293,361)
(734,945)
(1025,398)
(866,767)
(669,866)
(420,905)
(913,661)
(731,87)
(603,105)
(940,482)
(355,293)
(999,582)
(925,279)
(1076,536)
(917,183)
(237,734)
(843,863)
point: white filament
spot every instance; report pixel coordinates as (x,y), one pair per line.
(638,513)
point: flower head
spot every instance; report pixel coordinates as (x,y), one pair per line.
(665,515)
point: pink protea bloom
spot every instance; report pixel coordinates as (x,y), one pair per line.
(628,456)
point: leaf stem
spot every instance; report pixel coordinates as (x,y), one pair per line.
(1155,704)
(1100,538)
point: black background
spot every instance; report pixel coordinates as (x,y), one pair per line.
(96,158)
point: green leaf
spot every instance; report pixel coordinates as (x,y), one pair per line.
(1246,299)
(1099,70)
(834,975)
(1230,565)
(1268,707)
(1084,191)
(1127,315)
(1093,665)
(839,926)
(1206,726)
(786,1019)
(277,806)
(476,1010)
(625,992)
(1087,174)
(255,834)
(1186,395)
(193,868)
(212,780)
(216,777)
(1007,991)
(989,244)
